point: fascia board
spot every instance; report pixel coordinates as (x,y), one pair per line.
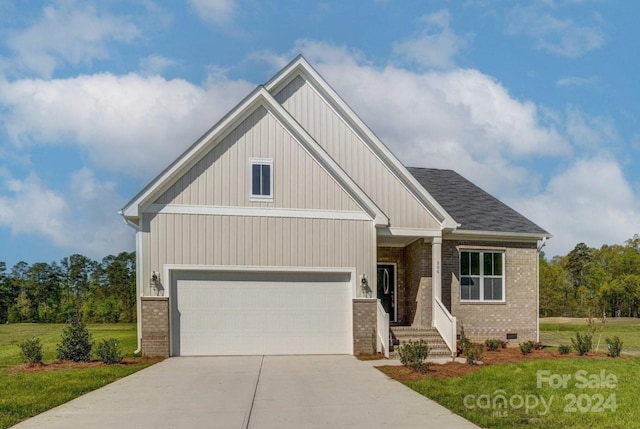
(333,168)
(300,66)
(133,208)
(493,235)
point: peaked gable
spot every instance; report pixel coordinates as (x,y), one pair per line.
(166,187)
(360,153)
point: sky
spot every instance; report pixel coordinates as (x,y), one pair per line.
(536,102)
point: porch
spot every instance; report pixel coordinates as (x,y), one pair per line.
(412,304)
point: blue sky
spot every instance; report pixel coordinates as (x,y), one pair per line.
(537,102)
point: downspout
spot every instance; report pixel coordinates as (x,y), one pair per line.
(544,241)
(138,280)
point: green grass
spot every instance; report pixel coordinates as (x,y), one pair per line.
(559,330)
(25,394)
(514,381)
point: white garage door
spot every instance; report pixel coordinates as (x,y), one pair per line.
(248,313)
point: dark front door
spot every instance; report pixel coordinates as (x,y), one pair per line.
(387,289)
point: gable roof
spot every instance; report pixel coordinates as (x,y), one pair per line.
(300,67)
(259,97)
(475,210)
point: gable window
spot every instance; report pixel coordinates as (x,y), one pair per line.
(481,275)
(261,179)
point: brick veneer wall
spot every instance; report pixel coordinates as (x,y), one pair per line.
(365,326)
(518,314)
(155,326)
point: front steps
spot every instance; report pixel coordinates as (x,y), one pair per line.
(437,346)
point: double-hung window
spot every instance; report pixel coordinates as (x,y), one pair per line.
(481,275)
(261,171)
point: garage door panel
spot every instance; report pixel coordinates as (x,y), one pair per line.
(240,313)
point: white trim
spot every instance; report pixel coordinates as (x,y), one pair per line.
(394,303)
(408,232)
(260,97)
(256,212)
(169,268)
(460,234)
(482,276)
(299,66)
(261,162)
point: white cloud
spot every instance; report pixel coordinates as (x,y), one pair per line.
(131,124)
(68,34)
(591,201)
(562,37)
(460,119)
(81,218)
(155,64)
(435,45)
(217,12)
(593,133)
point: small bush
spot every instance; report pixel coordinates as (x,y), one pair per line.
(474,353)
(414,355)
(493,345)
(108,351)
(526,347)
(504,344)
(564,349)
(75,344)
(582,343)
(31,351)
(537,346)
(614,345)
(464,343)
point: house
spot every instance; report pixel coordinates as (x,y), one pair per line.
(290,228)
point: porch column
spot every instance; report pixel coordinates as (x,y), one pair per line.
(436,271)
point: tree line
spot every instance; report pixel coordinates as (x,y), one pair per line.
(103,291)
(589,282)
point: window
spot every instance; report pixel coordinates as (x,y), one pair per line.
(261,179)
(481,276)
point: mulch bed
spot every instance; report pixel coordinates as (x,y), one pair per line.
(456,369)
(61,365)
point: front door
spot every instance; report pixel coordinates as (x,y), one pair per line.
(387,289)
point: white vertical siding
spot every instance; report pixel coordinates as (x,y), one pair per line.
(353,155)
(256,241)
(221,177)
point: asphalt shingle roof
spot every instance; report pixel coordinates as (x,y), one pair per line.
(473,208)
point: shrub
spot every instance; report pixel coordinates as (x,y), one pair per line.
(31,351)
(75,344)
(493,345)
(537,346)
(564,349)
(108,351)
(474,353)
(464,343)
(614,345)
(414,355)
(526,347)
(582,343)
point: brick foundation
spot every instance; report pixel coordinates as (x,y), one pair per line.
(155,326)
(365,313)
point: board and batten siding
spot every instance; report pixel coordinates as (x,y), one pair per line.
(354,156)
(194,239)
(222,176)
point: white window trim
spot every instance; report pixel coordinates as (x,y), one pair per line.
(260,161)
(483,276)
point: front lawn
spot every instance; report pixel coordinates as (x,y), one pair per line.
(25,392)
(559,330)
(594,392)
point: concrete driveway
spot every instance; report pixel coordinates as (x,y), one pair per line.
(252,392)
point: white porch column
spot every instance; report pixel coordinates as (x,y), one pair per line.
(436,271)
